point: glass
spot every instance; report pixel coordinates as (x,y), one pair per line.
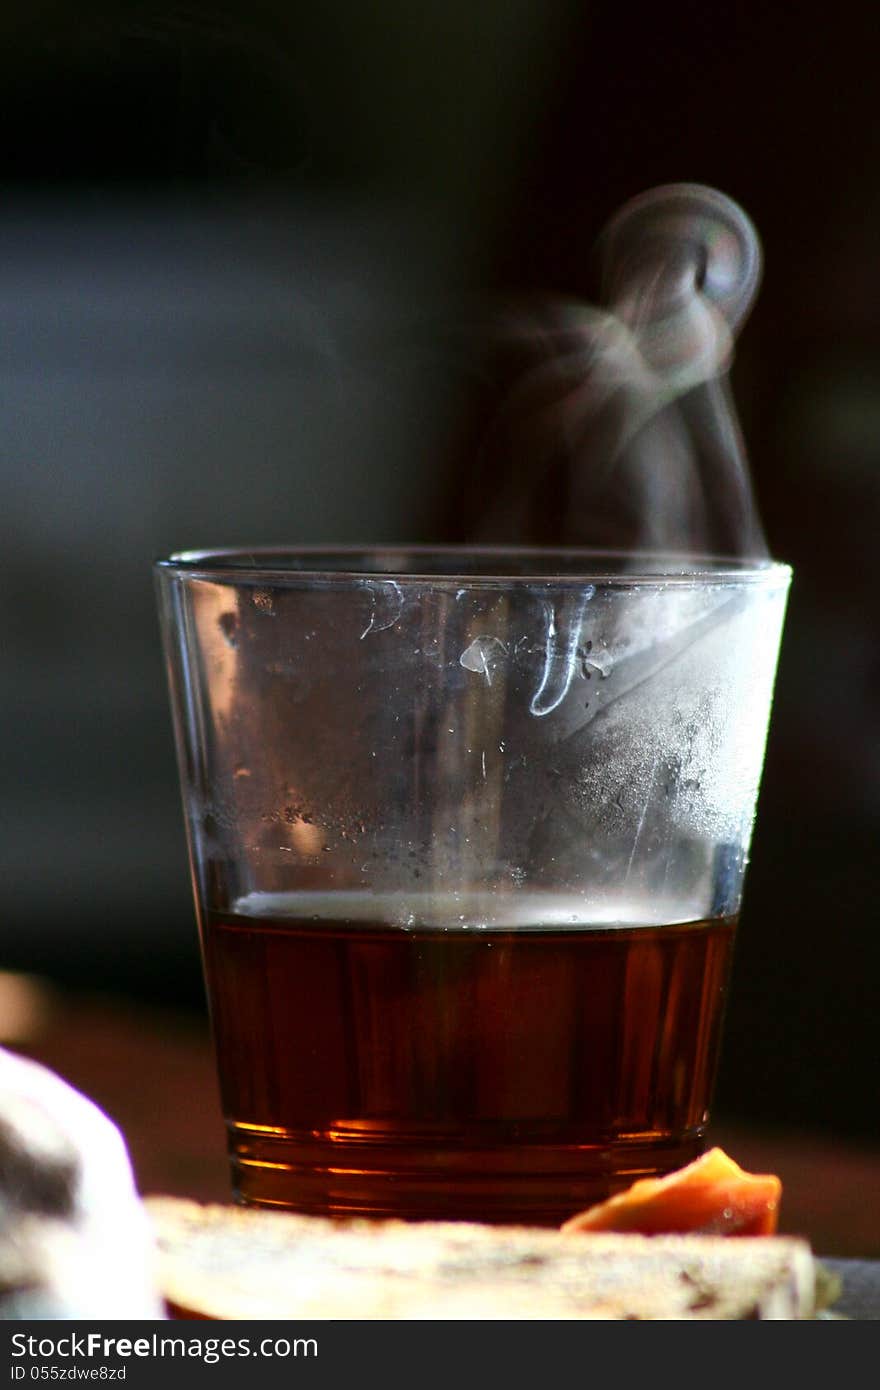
(468,831)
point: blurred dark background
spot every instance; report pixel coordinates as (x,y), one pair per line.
(240,249)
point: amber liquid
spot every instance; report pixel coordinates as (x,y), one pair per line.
(493,1075)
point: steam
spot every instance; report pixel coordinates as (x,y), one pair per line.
(628,409)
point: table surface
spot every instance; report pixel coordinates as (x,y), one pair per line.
(152,1071)
(859,1299)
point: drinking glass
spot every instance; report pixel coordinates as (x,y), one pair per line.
(468,830)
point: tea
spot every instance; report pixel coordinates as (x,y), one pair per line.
(434,1069)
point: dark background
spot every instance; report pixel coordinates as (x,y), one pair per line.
(239,253)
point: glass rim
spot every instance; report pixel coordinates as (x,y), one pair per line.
(466,564)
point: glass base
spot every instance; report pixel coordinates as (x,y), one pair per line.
(323,1174)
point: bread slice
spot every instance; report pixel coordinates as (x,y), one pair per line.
(229,1262)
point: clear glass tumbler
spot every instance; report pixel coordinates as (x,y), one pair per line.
(468,831)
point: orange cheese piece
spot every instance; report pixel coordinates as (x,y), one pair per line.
(711,1196)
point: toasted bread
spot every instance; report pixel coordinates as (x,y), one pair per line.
(229,1262)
